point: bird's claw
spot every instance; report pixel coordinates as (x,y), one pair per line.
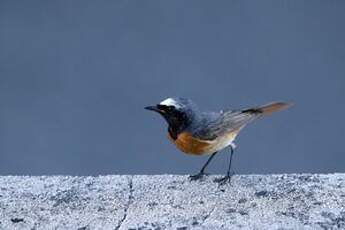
(198,176)
(224,180)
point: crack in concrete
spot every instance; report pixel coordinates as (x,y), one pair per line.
(208,214)
(130,200)
(212,210)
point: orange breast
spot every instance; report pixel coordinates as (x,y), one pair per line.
(191,145)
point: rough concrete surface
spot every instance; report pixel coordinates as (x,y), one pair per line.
(297,201)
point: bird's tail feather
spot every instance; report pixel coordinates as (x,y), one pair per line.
(268,108)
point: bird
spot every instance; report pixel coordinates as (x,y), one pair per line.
(195,132)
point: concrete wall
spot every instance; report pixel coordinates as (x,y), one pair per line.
(173,202)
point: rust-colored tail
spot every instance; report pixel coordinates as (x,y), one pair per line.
(268,108)
(273,107)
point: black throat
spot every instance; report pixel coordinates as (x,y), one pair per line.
(178,122)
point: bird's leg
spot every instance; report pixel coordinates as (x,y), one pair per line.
(202,173)
(227,178)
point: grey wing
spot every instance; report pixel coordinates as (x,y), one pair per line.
(226,122)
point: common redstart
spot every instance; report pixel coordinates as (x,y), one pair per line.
(206,133)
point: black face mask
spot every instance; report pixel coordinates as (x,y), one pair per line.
(176,119)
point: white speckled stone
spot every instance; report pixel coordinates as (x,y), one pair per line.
(297,201)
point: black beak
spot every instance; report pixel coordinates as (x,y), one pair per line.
(153,108)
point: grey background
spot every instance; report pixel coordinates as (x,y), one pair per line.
(75,76)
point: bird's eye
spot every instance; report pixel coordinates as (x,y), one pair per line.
(166,108)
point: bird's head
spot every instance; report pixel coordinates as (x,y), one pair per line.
(176,111)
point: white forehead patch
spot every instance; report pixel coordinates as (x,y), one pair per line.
(170,102)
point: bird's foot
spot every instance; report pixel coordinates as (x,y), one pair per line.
(224,180)
(198,176)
